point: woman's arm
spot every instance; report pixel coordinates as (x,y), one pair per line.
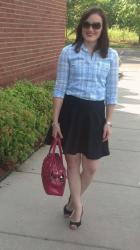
(57,104)
(60,89)
(112,79)
(109,113)
(108,125)
(111,94)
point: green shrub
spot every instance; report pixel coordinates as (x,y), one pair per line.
(25,114)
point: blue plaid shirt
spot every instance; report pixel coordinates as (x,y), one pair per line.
(87,77)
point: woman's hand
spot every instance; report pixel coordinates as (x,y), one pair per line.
(107,130)
(56,130)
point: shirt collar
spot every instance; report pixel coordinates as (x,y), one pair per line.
(84,48)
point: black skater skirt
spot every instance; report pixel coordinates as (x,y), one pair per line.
(81,123)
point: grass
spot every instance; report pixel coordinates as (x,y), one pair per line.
(119,38)
(122,38)
(124,45)
(122,35)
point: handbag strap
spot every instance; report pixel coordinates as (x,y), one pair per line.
(56,142)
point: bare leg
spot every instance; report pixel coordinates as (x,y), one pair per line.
(89,168)
(74,179)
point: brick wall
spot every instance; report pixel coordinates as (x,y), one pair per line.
(32,33)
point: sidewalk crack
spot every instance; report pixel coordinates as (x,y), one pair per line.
(60,241)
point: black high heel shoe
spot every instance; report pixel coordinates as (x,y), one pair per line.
(76,224)
(66,211)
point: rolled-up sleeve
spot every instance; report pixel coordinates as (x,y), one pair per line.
(112,79)
(62,75)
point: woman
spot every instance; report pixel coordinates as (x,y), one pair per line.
(83,102)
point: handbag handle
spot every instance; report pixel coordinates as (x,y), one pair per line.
(56,142)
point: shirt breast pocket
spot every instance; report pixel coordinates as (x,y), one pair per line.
(102,69)
(76,69)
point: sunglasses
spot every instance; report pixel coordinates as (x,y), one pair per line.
(95,25)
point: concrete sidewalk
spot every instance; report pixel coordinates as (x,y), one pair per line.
(29,219)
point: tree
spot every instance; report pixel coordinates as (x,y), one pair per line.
(128,15)
(123,13)
(76,8)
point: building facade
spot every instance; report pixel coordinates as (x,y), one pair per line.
(32,34)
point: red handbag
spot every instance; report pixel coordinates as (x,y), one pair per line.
(53,172)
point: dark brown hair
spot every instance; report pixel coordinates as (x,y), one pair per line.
(103,41)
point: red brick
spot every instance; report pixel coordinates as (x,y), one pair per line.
(31,38)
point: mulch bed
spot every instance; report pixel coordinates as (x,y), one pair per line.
(6,169)
(4,173)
